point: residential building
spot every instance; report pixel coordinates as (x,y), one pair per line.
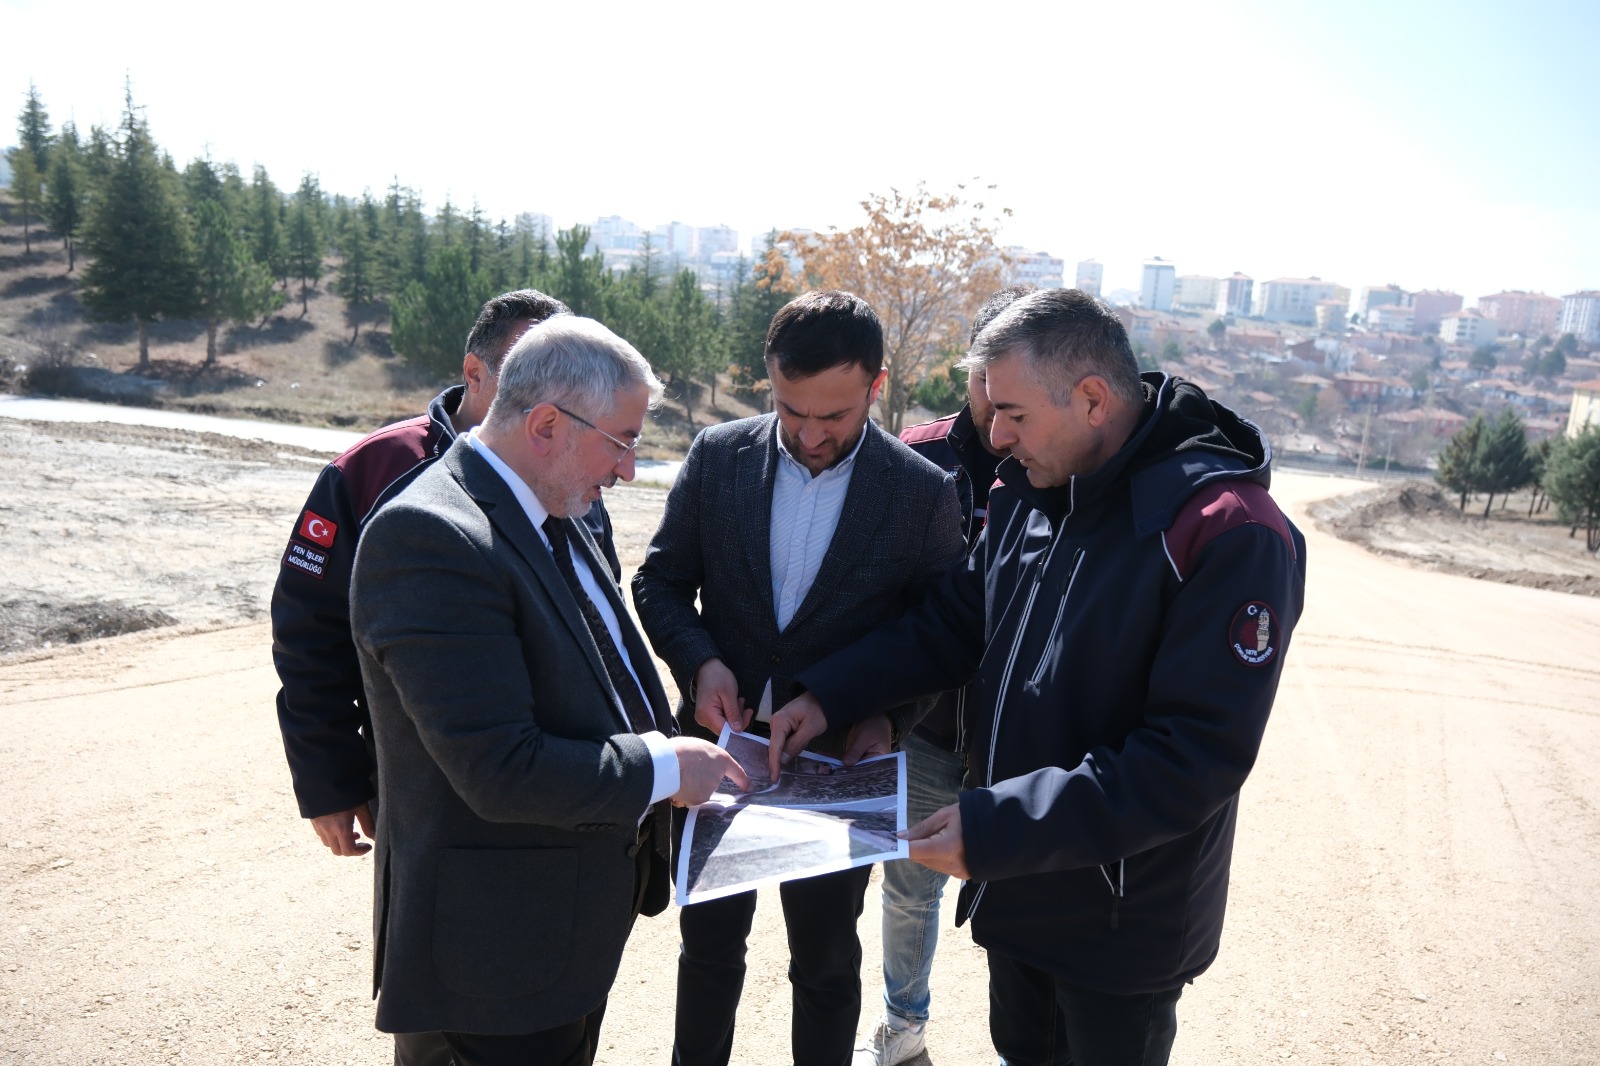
(613,234)
(719,271)
(709,241)
(1392,318)
(1528,313)
(1195,291)
(1429,306)
(1293,299)
(1375,296)
(1585,407)
(539,226)
(1141,325)
(758,243)
(1254,340)
(1435,420)
(673,242)
(1358,387)
(1332,316)
(1089,277)
(1580,316)
(1468,329)
(1155,288)
(1234,295)
(1033,268)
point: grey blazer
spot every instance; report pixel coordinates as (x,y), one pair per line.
(510,784)
(899,529)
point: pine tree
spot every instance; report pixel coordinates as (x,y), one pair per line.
(138,240)
(1573,483)
(356,274)
(26,187)
(64,193)
(33,131)
(305,238)
(688,336)
(1540,455)
(755,299)
(1504,464)
(579,282)
(232,285)
(1459,462)
(269,243)
(432,317)
(477,239)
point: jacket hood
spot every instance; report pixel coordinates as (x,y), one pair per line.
(1186,440)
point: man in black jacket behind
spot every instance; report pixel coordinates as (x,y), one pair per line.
(1123,620)
(935,749)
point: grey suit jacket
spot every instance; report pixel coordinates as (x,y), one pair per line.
(510,784)
(900,528)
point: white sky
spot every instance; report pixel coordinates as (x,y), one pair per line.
(1431,145)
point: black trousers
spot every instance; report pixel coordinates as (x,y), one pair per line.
(824,970)
(422,1049)
(572,1044)
(1036,1020)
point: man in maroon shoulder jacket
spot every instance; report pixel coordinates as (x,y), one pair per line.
(1123,622)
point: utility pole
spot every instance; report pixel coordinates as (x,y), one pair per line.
(1366,429)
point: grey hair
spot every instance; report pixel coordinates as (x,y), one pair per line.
(1063,336)
(574,363)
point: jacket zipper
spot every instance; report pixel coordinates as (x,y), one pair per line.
(1117,887)
(1011,662)
(1061,611)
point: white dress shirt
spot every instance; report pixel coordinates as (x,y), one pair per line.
(805,512)
(662,757)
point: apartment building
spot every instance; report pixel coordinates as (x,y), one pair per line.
(1531,314)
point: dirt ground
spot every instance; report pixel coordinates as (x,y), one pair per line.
(1417,522)
(1418,853)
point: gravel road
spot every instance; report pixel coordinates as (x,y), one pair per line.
(1418,856)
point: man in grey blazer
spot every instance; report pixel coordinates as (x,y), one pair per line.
(524,741)
(797,531)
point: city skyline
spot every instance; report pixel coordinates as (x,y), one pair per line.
(1435,146)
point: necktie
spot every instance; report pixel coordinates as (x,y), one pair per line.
(633,701)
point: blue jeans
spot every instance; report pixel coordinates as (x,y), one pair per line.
(911,892)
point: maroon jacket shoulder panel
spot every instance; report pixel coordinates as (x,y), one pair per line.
(1215,509)
(938,429)
(375,461)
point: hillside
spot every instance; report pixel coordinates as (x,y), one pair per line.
(294,367)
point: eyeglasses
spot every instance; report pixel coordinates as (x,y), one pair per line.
(623,445)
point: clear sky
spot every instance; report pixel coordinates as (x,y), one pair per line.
(1435,145)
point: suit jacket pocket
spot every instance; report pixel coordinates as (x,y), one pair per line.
(502,922)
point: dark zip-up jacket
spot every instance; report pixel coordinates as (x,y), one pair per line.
(1126,632)
(952,443)
(322,711)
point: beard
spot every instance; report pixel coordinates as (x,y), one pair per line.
(569,484)
(829,459)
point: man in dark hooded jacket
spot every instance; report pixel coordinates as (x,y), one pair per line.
(1123,621)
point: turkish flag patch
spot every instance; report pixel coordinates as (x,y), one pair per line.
(1253,634)
(317,529)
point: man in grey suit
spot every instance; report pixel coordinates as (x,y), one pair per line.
(797,531)
(524,742)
